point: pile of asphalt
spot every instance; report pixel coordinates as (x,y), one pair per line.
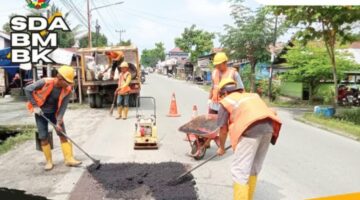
(136,181)
(6,193)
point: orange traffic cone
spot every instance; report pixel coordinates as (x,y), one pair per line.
(173,108)
(190,136)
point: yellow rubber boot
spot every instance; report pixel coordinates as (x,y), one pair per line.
(47,152)
(241,192)
(68,155)
(120,108)
(252,186)
(125,113)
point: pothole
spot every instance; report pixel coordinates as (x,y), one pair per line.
(6,193)
(135,181)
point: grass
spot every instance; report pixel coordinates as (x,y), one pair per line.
(288,104)
(335,124)
(26,133)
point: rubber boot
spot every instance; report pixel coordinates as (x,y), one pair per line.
(241,192)
(120,108)
(68,155)
(125,112)
(47,153)
(252,186)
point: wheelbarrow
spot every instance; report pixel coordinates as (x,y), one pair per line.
(200,131)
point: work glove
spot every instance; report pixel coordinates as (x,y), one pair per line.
(209,102)
(37,111)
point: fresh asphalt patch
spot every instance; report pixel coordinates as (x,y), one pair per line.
(6,193)
(134,181)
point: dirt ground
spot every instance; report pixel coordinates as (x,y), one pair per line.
(22,168)
(134,181)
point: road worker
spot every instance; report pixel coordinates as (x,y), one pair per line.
(221,71)
(50,97)
(115,59)
(123,91)
(252,126)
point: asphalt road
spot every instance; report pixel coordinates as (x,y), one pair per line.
(306,162)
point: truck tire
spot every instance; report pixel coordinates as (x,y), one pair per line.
(92,100)
(98,101)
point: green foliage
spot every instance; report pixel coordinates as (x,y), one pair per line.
(26,133)
(263,86)
(325,92)
(249,38)
(245,74)
(328,23)
(150,57)
(124,43)
(351,115)
(197,42)
(97,40)
(312,65)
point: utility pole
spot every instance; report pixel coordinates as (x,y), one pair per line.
(97,27)
(120,32)
(272,60)
(89,16)
(89,27)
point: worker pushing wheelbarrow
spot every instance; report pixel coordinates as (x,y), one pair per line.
(200,131)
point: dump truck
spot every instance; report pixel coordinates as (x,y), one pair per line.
(98,86)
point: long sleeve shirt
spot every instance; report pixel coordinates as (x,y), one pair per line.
(51,103)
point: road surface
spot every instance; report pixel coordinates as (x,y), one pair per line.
(306,162)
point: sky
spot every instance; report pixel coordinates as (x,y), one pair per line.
(145,22)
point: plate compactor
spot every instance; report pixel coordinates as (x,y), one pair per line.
(145,128)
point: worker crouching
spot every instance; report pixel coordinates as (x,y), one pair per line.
(49,97)
(252,126)
(123,91)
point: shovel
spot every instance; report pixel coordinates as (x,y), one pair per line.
(184,176)
(113,105)
(96,163)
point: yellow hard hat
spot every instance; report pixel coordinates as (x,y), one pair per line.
(67,73)
(220,58)
(124,64)
(227,81)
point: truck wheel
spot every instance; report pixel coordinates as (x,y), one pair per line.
(92,101)
(98,101)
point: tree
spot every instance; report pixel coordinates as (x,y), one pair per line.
(195,41)
(124,43)
(332,24)
(311,64)
(150,57)
(97,40)
(249,38)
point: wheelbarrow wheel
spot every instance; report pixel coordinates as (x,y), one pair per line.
(194,150)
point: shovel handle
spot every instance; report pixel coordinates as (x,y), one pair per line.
(67,137)
(201,164)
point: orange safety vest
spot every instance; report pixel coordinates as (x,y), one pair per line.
(216,78)
(246,109)
(122,80)
(41,94)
